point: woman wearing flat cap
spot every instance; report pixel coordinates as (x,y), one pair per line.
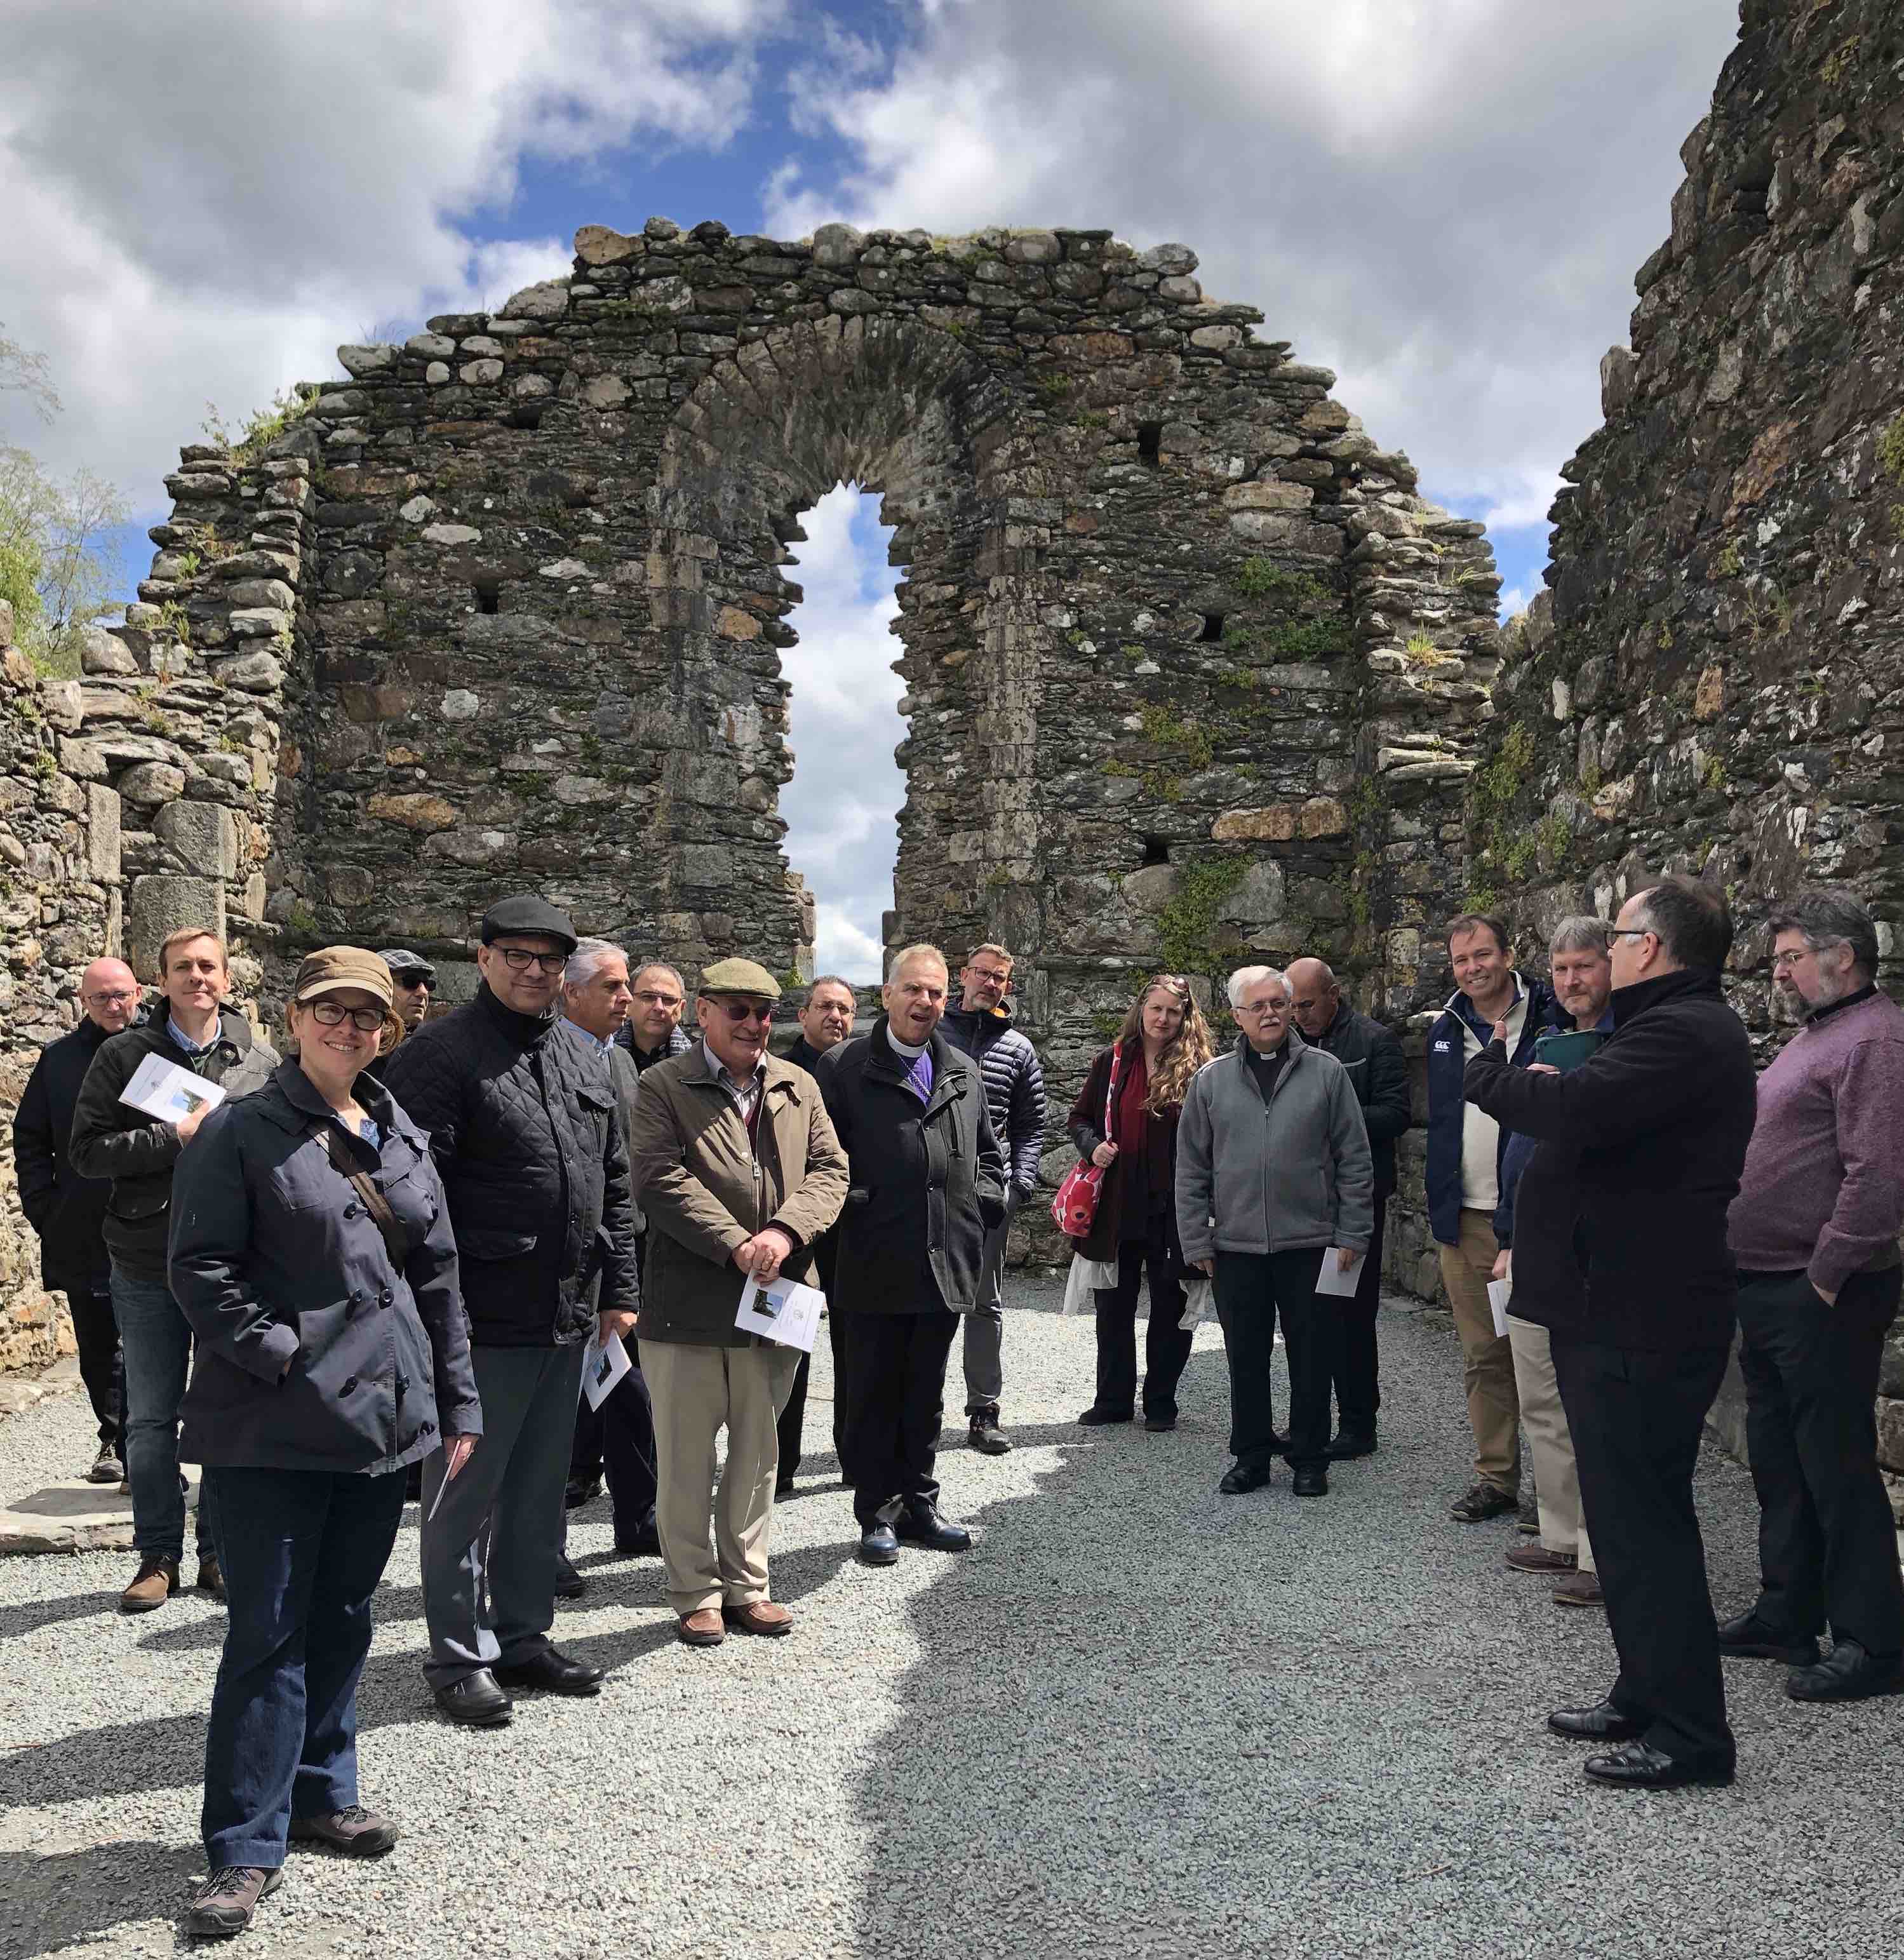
(311,1251)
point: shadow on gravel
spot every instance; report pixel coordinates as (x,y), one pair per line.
(17,1621)
(63,1897)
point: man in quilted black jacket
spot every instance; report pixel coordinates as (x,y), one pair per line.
(535,1172)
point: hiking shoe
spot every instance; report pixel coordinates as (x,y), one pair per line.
(1482,1502)
(355,1832)
(985,1435)
(211,1577)
(154,1583)
(224,1903)
(106,1467)
(1579,1589)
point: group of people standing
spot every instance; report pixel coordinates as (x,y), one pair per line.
(391,1251)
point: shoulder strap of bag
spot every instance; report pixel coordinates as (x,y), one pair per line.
(395,1240)
(1111,1088)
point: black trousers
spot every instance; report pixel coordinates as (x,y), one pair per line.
(895,1400)
(102,1367)
(1636,1415)
(793,1420)
(618,1438)
(1827,1546)
(1166,1344)
(1358,1383)
(1252,1290)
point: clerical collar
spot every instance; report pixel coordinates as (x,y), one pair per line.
(906,1048)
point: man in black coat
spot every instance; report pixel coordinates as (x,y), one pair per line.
(68,1211)
(1658,1122)
(522,1123)
(928,1184)
(825,1021)
(1379,1075)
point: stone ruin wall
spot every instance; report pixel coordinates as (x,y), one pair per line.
(1192,673)
(1715,681)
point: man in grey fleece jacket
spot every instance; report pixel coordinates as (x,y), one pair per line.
(1273,1168)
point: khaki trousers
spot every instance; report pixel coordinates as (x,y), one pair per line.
(1493,1408)
(1556,1483)
(697,1392)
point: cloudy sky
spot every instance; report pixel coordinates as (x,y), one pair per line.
(1444,200)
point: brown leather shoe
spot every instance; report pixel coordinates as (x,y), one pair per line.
(766,1617)
(154,1583)
(1579,1589)
(211,1576)
(702,1629)
(1538,1558)
(355,1832)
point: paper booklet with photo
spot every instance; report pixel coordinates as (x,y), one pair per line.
(782,1311)
(164,1090)
(604,1363)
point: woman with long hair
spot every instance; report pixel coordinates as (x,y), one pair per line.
(1142,1078)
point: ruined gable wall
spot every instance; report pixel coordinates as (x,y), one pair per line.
(1715,681)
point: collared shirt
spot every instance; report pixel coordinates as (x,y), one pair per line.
(186,1041)
(745,1097)
(595,1041)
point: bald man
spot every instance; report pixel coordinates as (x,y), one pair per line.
(1373,1058)
(68,1211)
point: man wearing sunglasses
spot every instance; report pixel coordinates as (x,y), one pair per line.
(522,1123)
(738,1172)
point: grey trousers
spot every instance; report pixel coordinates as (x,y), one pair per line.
(501,1522)
(984,1348)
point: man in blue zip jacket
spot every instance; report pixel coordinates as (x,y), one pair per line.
(1465,1147)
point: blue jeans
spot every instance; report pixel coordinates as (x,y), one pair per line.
(302,1551)
(156,1340)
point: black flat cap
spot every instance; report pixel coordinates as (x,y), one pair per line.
(527,914)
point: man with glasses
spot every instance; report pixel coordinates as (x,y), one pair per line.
(738,1170)
(981,1025)
(416,985)
(1274,1170)
(1655,1126)
(653,1031)
(522,1123)
(68,1211)
(1814,1229)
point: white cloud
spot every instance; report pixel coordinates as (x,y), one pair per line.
(203,198)
(843,721)
(1445,201)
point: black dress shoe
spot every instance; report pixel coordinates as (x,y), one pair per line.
(921,1524)
(783,1488)
(1640,1766)
(643,1545)
(1311,1480)
(1602,1722)
(581,1490)
(558,1673)
(1347,1446)
(1158,1424)
(1748,1637)
(1094,1417)
(1847,1674)
(475,1700)
(1242,1476)
(569,1583)
(879,1545)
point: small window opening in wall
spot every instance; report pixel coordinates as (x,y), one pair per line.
(489,597)
(1213,628)
(1156,850)
(1150,441)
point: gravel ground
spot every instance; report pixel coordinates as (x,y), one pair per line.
(1138,1718)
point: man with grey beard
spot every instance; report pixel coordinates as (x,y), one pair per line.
(1814,1229)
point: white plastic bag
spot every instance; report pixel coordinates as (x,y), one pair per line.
(1083,1282)
(1197,1305)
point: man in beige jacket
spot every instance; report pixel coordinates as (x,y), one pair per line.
(735,1164)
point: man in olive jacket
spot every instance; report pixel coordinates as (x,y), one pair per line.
(738,1172)
(928,1185)
(521,1121)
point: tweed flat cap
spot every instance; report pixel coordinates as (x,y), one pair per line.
(739,976)
(400,960)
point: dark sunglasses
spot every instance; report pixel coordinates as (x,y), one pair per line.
(409,982)
(742,1011)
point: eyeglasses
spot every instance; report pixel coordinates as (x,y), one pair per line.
(1278,1008)
(992,973)
(1780,961)
(649,998)
(521,960)
(334,1013)
(738,1011)
(1629,932)
(117,1000)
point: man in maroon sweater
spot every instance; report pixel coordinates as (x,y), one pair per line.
(1814,1229)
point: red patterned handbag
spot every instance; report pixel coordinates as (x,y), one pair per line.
(1077,1203)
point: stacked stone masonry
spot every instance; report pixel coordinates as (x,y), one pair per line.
(1715,681)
